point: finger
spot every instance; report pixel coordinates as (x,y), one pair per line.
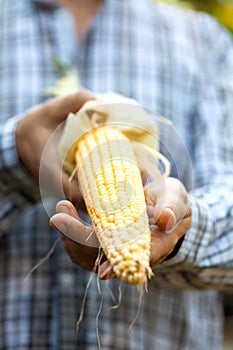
(58,108)
(71,189)
(163,244)
(74,229)
(171,207)
(155,198)
(105,271)
(155,191)
(166,220)
(79,254)
(56,182)
(67,207)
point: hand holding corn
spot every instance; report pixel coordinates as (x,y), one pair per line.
(173,215)
(104,159)
(33,131)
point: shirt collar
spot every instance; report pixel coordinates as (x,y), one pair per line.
(44,5)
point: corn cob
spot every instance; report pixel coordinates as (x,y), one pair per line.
(112,188)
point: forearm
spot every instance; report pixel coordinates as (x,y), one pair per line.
(17,189)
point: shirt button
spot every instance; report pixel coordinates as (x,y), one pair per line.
(66,280)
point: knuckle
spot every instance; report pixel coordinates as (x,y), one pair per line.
(46,106)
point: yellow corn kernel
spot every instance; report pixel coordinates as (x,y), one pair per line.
(116,202)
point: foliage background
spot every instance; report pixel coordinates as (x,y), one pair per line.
(221,9)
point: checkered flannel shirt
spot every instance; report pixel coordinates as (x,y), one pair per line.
(176,63)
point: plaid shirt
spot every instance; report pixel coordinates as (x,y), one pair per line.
(175,62)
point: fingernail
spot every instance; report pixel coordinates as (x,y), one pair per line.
(59,226)
(63,209)
(90,112)
(105,273)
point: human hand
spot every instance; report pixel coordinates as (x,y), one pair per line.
(43,123)
(79,240)
(169,217)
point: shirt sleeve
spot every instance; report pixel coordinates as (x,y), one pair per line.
(17,189)
(205,258)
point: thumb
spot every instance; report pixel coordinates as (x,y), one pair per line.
(58,108)
(72,228)
(171,204)
(167,219)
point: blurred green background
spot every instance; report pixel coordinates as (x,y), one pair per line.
(221,9)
